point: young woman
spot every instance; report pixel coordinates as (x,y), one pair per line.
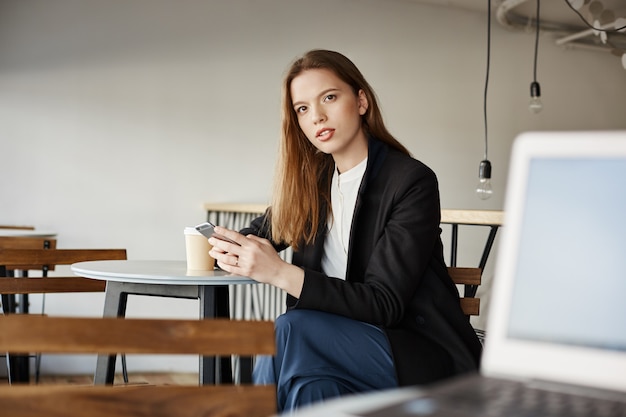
(370,304)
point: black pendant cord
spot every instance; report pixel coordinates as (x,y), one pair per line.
(486,156)
(535,89)
(536,42)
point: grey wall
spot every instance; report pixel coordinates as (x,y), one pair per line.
(119,119)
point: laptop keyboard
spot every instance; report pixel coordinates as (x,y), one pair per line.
(492,397)
(489,397)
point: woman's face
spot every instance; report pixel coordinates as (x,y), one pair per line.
(329,114)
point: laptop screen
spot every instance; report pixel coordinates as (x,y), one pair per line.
(557,310)
(571,268)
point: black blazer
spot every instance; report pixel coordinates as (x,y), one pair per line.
(396,276)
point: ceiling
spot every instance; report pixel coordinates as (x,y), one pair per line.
(556,17)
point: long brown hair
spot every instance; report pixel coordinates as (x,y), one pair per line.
(303,173)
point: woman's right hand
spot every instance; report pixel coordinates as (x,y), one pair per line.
(256,258)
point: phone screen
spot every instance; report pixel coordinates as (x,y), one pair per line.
(207,230)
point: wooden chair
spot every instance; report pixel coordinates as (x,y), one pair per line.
(26,333)
(26,242)
(12,302)
(9,301)
(45,260)
(467,277)
(27,254)
(470,278)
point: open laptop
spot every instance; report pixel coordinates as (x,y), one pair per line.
(556,336)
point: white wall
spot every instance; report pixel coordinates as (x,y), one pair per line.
(119,119)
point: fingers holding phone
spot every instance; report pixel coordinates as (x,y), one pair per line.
(208,230)
(225,249)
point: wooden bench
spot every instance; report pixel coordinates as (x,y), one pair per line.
(29,333)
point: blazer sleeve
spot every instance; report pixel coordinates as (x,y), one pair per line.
(261,227)
(395,236)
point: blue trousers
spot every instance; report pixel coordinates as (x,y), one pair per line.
(321,355)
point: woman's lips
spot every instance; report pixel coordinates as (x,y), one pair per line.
(325,134)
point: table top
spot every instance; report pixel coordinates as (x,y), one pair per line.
(26,233)
(473,217)
(155,272)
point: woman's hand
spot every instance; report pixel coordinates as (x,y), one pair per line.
(256,258)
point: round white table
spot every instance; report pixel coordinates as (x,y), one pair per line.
(155,272)
(165,279)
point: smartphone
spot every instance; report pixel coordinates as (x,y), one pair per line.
(207,230)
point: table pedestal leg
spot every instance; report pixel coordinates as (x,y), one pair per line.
(114,306)
(214,304)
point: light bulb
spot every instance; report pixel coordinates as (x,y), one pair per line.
(535,104)
(483,189)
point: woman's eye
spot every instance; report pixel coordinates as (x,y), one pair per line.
(300,109)
(330,97)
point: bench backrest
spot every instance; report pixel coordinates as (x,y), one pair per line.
(29,333)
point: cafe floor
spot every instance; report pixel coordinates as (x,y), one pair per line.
(169,378)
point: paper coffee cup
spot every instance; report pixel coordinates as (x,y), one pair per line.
(197,248)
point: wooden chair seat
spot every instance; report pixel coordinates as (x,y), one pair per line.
(23,333)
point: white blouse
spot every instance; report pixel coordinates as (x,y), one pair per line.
(343,192)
